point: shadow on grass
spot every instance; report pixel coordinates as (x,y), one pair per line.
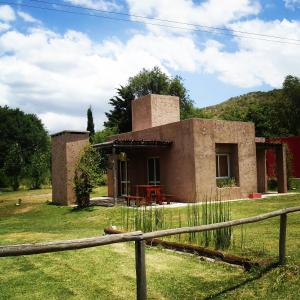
(257,274)
(81,209)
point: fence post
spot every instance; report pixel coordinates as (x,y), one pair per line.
(282,239)
(140,266)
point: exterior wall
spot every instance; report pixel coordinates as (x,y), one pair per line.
(208,133)
(154,110)
(176,163)
(188,167)
(293,144)
(66,149)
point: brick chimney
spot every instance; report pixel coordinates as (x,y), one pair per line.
(154,110)
(66,150)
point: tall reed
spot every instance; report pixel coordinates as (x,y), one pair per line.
(211,210)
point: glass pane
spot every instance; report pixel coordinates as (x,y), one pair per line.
(151,169)
(217,167)
(123,171)
(157,169)
(223,164)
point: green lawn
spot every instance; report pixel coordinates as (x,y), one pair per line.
(108,272)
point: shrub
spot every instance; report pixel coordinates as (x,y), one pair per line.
(226,182)
(88,173)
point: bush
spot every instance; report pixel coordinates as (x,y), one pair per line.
(226,182)
(272,184)
(88,173)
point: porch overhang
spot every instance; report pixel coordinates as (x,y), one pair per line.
(122,145)
(262,145)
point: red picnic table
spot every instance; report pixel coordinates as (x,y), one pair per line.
(150,190)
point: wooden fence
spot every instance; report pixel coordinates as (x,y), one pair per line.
(139,238)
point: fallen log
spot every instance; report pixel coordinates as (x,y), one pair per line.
(201,251)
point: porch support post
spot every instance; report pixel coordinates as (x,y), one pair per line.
(115,181)
(281,168)
(261,170)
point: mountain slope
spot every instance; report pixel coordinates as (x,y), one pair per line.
(272,112)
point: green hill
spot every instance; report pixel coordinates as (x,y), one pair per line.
(272,112)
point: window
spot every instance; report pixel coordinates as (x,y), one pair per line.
(124,182)
(153,171)
(222,165)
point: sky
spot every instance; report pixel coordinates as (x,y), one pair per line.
(56,64)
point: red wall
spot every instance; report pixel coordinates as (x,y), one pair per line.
(293,143)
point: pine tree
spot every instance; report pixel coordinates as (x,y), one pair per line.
(90,123)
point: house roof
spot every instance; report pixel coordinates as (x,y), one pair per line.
(69,131)
(133,144)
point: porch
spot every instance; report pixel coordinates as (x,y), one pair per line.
(280,152)
(135,166)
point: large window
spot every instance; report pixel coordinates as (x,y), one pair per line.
(153,171)
(222,165)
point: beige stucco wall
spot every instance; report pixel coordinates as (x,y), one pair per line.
(208,133)
(66,149)
(188,167)
(176,163)
(154,110)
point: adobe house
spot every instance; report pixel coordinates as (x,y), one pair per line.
(187,158)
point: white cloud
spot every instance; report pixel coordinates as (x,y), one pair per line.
(43,72)
(28,18)
(56,121)
(209,13)
(292,4)
(4,26)
(58,76)
(256,62)
(7,14)
(96,4)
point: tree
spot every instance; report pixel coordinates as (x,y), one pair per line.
(25,130)
(38,170)
(102,135)
(90,123)
(120,116)
(14,165)
(146,82)
(291,87)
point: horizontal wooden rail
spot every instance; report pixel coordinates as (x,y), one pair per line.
(139,237)
(201,228)
(29,249)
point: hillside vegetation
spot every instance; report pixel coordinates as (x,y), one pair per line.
(273,113)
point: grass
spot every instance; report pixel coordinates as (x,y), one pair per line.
(108,272)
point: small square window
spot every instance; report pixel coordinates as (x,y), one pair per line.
(222,165)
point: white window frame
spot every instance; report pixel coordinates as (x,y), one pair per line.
(218,165)
(154,182)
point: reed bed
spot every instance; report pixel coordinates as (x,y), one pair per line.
(209,211)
